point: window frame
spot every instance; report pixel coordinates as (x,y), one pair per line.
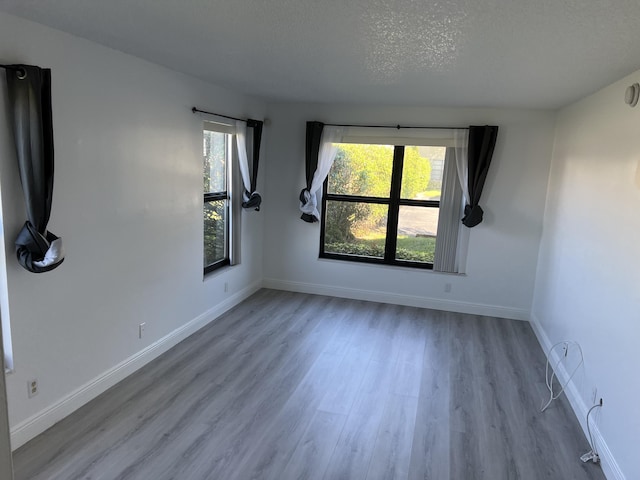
(226,195)
(394,201)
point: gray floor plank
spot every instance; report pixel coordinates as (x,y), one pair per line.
(272,452)
(288,386)
(431,441)
(392,450)
(310,458)
(354,450)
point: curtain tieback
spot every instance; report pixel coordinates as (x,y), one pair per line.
(36,252)
(308,206)
(251,200)
(472,215)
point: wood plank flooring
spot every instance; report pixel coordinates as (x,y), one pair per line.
(293,386)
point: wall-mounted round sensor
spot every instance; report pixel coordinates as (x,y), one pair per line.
(632,94)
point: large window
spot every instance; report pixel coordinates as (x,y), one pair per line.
(381,204)
(217,161)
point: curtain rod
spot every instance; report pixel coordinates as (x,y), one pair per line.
(197,110)
(394,126)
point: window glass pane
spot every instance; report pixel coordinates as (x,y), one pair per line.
(417,229)
(422,173)
(215,231)
(361,169)
(355,228)
(215,154)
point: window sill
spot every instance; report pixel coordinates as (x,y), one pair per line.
(213,272)
(377,265)
(376,261)
(216,266)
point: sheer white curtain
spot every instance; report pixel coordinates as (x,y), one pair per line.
(461,142)
(452,238)
(243,161)
(330,137)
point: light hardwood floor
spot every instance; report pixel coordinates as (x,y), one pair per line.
(293,386)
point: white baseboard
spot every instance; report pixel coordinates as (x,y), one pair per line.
(610,467)
(38,423)
(399,299)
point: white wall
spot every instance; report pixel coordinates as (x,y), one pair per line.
(588,279)
(503,250)
(6,467)
(128,203)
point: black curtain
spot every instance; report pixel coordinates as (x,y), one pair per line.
(29,100)
(312,150)
(253,198)
(482,141)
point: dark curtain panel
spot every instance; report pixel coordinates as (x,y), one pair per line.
(29,100)
(314,134)
(482,141)
(254,199)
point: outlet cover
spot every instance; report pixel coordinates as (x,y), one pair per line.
(32,387)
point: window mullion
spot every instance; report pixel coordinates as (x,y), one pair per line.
(420,203)
(394,205)
(355,198)
(212,196)
(323,215)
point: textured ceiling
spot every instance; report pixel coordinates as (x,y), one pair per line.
(489,53)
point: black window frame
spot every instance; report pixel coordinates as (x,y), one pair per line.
(394,201)
(217,196)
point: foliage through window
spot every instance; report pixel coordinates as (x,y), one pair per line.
(217,160)
(381,204)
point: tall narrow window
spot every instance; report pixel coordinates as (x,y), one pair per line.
(217,160)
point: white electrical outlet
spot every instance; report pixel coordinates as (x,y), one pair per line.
(141,329)
(594,397)
(447,288)
(32,387)
(226,287)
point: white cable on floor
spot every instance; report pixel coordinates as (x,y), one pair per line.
(593,445)
(549,380)
(593,454)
